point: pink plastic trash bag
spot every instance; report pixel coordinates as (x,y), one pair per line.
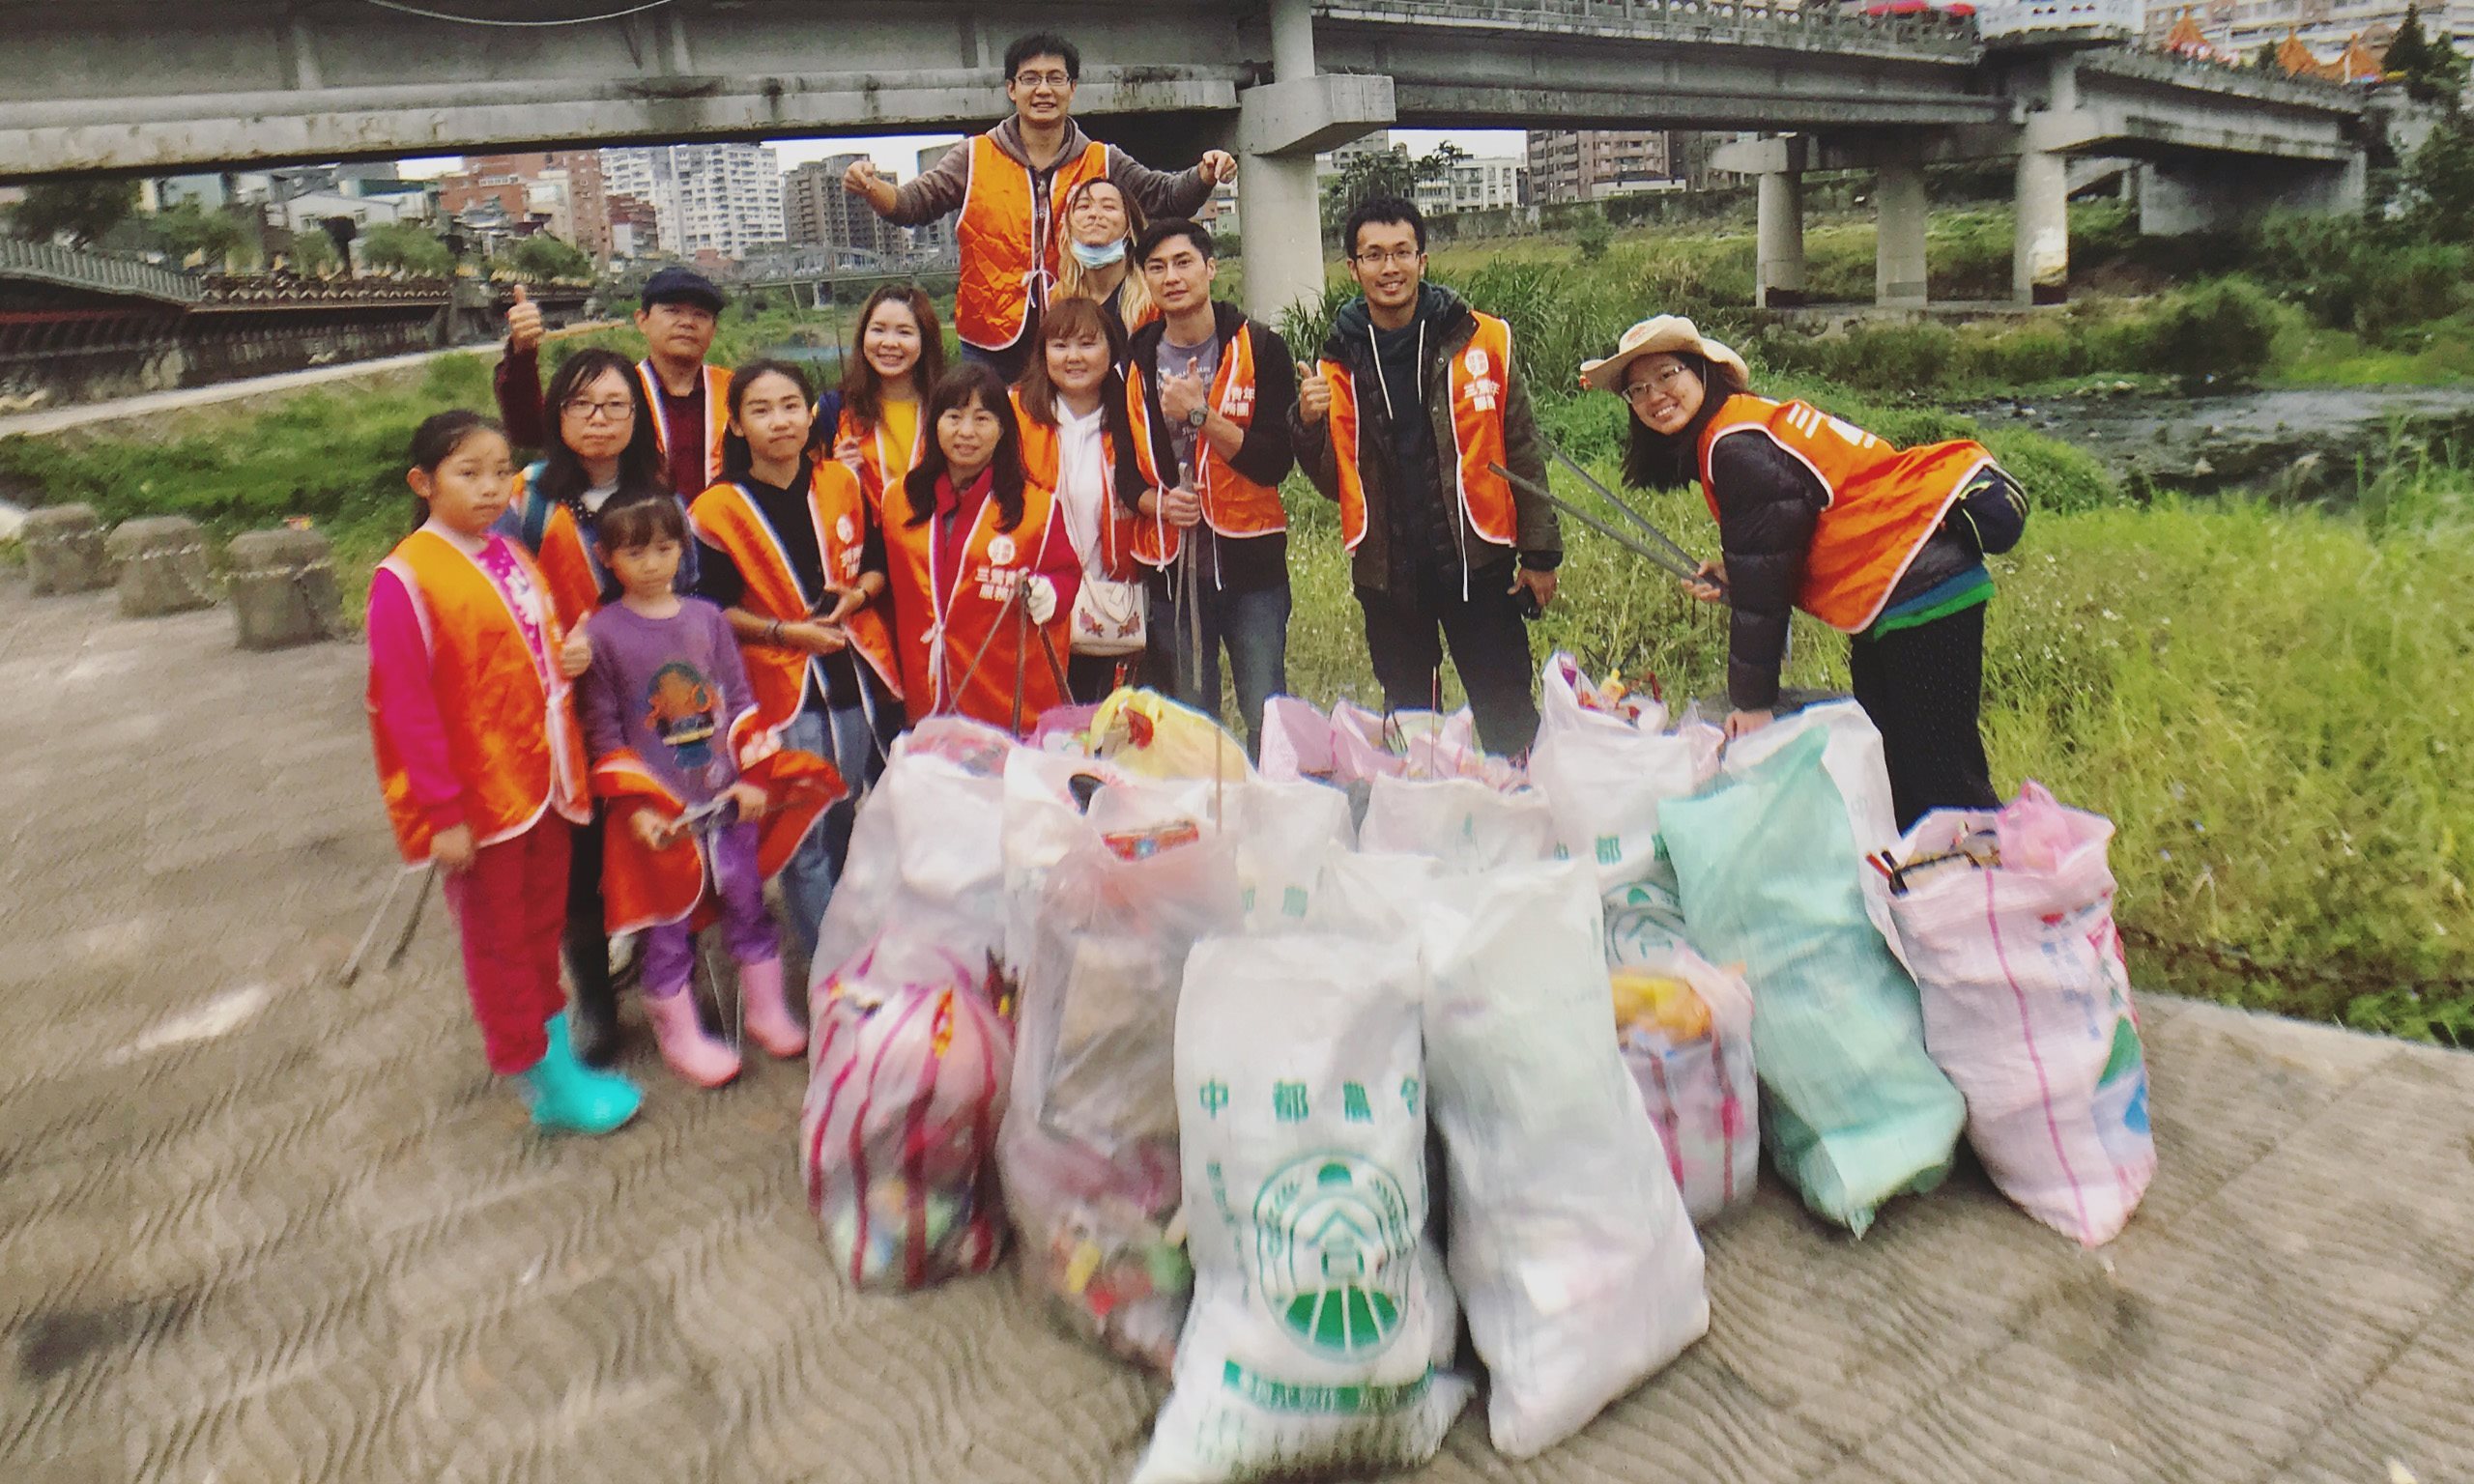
(898,1138)
(2027,1006)
(1685,1030)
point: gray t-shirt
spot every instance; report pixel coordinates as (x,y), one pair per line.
(1174,360)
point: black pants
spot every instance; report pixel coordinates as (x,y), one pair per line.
(1090,677)
(1489,647)
(1922,687)
(586,940)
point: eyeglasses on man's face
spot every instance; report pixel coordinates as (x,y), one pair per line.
(1384,257)
(586,409)
(1052,80)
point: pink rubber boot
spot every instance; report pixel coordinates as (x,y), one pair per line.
(694,1055)
(768,1013)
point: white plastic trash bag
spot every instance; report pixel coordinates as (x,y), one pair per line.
(929,840)
(2027,1008)
(1460,822)
(1685,1028)
(1570,1245)
(1320,1317)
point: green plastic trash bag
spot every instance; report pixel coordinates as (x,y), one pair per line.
(1855,1111)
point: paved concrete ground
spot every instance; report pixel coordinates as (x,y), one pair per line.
(256,1226)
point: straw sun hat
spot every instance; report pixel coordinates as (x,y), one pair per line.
(1665,332)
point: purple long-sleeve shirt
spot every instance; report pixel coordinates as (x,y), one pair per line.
(668,689)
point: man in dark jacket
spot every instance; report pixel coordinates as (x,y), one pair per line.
(1208,391)
(1416,397)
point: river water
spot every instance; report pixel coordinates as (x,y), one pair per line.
(2304,444)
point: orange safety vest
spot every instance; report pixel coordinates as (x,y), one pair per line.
(1480,380)
(726,518)
(641,886)
(1000,263)
(1232,504)
(1883,503)
(511,734)
(953,657)
(717,415)
(1043,463)
(881,464)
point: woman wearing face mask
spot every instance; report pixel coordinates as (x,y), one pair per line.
(983,575)
(1102,226)
(874,417)
(1886,544)
(1072,406)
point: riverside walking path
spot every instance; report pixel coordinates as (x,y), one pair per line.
(257,1225)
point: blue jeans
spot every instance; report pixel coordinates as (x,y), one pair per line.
(857,750)
(1255,627)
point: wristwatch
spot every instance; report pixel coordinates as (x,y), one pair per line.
(1198,417)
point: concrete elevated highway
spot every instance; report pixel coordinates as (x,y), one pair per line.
(234,82)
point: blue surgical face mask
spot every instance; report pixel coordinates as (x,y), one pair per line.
(1099,256)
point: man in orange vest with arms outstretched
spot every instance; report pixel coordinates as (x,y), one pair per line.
(1010,185)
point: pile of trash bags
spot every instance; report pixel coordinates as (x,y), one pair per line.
(1190,1028)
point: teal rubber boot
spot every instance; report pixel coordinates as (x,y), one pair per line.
(567,1096)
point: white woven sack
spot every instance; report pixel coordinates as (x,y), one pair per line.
(1320,1318)
(1570,1247)
(1459,821)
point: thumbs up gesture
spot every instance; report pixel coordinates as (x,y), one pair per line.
(523,325)
(1313,394)
(1180,396)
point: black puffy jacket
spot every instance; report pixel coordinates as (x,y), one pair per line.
(1768,502)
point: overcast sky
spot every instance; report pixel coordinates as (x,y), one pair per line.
(899,153)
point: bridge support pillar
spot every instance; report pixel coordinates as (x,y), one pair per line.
(2040,249)
(1280,124)
(1900,213)
(1778,240)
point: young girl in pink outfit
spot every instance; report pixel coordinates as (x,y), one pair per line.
(480,761)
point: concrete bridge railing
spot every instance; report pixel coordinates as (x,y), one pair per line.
(68,268)
(1818,28)
(2090,19)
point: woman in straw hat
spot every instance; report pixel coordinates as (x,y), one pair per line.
(1884,544)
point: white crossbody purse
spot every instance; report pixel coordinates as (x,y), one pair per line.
(1109,619)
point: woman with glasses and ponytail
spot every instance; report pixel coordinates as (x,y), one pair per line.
(602,448)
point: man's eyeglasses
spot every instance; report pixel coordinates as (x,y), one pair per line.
(584,410)
(1055,80)
(1400,255)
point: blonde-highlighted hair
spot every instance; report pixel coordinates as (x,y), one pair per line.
(1073,280)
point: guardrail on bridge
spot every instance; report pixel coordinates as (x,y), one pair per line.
(1814,27)
(70,267)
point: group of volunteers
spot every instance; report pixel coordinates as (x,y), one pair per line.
(616,690)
